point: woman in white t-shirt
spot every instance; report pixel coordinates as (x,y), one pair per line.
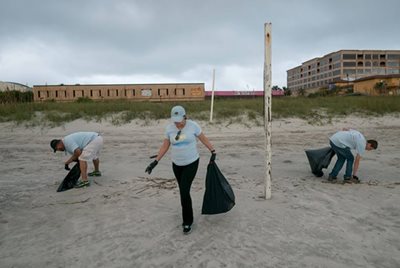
(181,135)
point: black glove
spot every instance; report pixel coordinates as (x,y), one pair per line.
(213,156)
(67,167)
(151,166)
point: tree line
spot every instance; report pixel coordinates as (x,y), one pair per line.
(13,96)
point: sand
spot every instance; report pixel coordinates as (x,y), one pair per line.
(131,219)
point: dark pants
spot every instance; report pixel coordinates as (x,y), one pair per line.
(185,175)
(343,155)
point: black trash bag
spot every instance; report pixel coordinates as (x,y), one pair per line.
(219,196)
(71,179)
(319,159)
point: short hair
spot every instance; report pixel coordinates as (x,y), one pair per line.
(374,143)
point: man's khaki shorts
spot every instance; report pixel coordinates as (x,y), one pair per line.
(92,150)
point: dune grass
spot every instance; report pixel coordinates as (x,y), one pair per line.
(235,110)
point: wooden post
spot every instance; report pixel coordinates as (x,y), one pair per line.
(212,97)
(267,109)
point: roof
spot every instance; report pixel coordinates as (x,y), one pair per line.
(378,77)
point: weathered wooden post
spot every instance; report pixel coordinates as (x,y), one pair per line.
(212,97)
(267,109)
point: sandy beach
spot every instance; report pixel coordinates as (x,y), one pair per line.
(128,218)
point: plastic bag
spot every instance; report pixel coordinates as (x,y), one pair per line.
(319,159)
(219,196)
(71,179)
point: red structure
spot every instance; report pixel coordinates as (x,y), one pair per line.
(243,94)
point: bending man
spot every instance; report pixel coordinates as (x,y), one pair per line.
(342,142)
(83,146)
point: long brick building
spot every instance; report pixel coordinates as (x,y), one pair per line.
(135,92)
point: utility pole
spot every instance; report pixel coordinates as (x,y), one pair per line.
(267,108)
(212,97)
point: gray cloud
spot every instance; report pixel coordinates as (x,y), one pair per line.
(163,41)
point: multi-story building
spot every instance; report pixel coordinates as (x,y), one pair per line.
(135,92)
(342,66)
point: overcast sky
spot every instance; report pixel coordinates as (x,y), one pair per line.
(162,41)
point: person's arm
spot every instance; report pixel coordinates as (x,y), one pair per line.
(206,142)
(356,164)
(74,157)
(163,149)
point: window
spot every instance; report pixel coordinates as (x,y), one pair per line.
(382,56)
(393,63)
(38,94)
(108,93)
(368,64)
(91,93)
(349,71)
(349,64)
(349,56)
(367,56)
(360,56)
(393,57)
(99,92)
(73,93)
(382,64)
(56,94)
(116,92)
(83,93)
(360,64)
(133,92)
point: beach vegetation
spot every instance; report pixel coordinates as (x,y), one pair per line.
(314,109)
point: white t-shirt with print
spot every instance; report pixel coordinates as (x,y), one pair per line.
(183,147)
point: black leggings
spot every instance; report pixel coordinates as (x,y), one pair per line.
(185,175)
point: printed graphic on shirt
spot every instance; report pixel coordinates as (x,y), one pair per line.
(180,138)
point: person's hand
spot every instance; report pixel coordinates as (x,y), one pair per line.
(213,156)
(66,167)
(151,166)
(355,177)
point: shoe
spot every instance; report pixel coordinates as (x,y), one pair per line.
(187,229)
(355,179)
(81,184)
(350,180)
(332,179)
(94,174)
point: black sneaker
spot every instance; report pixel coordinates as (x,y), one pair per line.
(332,179)
(187,229)
(350,180)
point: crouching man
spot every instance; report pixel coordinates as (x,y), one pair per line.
(342,142)
(83,146)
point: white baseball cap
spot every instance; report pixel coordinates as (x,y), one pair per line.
(177,114)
